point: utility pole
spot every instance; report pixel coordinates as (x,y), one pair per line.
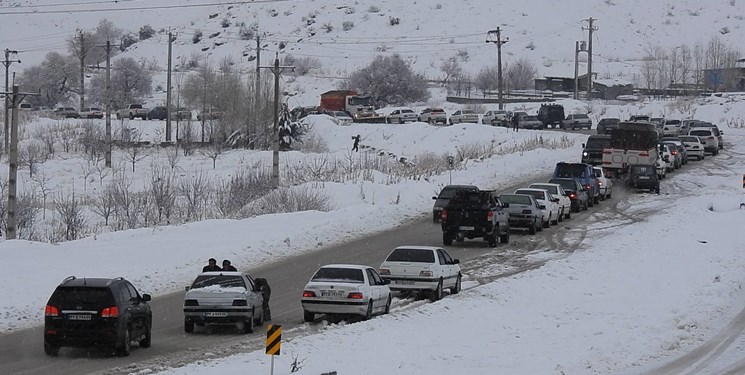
(277,70)
(7,63)
(15,99)
(82,69)
(590,28)
(169,89)
(107,137)
(495,36)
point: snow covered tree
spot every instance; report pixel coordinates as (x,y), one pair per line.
(55,78)
(130,82)
(390,80)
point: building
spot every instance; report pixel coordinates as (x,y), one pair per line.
(726,79)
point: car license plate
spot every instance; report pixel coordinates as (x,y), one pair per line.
(79,317)
(465,228)
(332,293)
(404,282)
(216,314)
(644,177)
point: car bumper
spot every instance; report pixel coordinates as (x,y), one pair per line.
(347,306)
(521,221)
(645,184)
(217,315)
(81,338)
(411,283)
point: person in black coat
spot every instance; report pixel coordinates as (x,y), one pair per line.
(266,291)
(211,266)
(227,267)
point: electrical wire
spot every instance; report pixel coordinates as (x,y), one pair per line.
(155,7)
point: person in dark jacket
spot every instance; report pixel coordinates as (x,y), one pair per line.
(211,266)
(515,122)
(227,267)
(356,145)
(266,291)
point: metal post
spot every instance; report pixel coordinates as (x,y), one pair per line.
(576,70)
(275,134)
(271,372)
(13,169)
(169,89)
(107,137)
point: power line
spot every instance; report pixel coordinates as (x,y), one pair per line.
(156,7)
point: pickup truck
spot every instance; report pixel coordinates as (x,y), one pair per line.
(131,111)
(475,214)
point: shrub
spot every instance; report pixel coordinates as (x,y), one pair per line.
(328,27)
(286,200)
(347,25)
(401,85)
(197,37)
(246,33)
(146,32)
(373,9)
(393,21)
(225,23)
(126,41)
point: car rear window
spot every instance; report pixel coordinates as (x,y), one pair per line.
(81,298)
(337,274)
(223,281)
(515,199)
(579,116)
(700,132)
(412,255)
(534,193)
(642,169)
(566,184)
(438,110)
(551,189)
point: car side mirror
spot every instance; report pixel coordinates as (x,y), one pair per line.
(721,132)
(386,281)
(186,288)
(555,200)
(456,261)
(146,297)
(542,206)
(583,145)
(434,197)
(505,205)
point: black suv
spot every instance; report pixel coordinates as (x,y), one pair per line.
(592,152)
(551,114)
(158,113)
(93,312)
(643,176)
(608,125)
(442,199)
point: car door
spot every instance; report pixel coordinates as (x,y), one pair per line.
(139,308)
(441,267)
(449,271)
(373,287)
(254,295)
(501,213)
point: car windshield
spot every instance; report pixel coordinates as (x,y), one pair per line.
(467,112)
(700,132)
(530,118)
(406,111)
(361,101)
(597,142)
(672,122)
(135,106)
(551,189)
(85,297)
(566,170)
(515,199)
(340,275)
(412,255)
(438,110)
(580,116)
(689,139)
(535,193)
(223,281)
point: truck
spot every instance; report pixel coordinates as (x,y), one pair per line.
(475,214)
(131,111)
(360,107)
(633,142)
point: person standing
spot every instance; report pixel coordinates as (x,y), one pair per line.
(515,121)
(266,292)
(356,145)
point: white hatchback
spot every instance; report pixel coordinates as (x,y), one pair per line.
(345,289)
(693,146)
(550,204)
(422,269)
(606,184)
(565,203)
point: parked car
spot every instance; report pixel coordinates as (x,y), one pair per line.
(212,114)
(433,116)
(607,125)
(676,157)
(575,121)
(91,112)
(716,130)
(606,184)
(25,107)
(550,205)
(639,118)
(671,128)
(693,146)
(577,193)
(592,151)
(494,118)
(422,269)
(345,289)
(66,112)
(685,125)
(442,199)
(524,212)
(708,137)
(551,115)
(401,116)
(223,297)
(181,113)
(158,113)
(475,214)
(529,122)
(565,203)
(464,115)
(583,174)
(97,312)
(341,117)
(679,145)
(666,154)
(133,111)
(642,176)
(662,166)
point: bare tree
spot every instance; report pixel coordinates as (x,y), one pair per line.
(187,139)
(162,192)
(47,136)
(213,151)
(43,183)
(390,80)
(67,135)
(70,211)
(105,203)
(125,198)
(88,169)
(451,68)
(685,63)
(31,154)
(134,152)
(699,56)
(520,74)
(486,79)
(173,156)
(195,191)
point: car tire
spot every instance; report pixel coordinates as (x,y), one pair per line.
(369,313)
(388,305)
(533,228)
(436,294)
(148,340)
(596,199)
(505,237)
(458,285)
(492,240)
(125,345)
(308,316)
(50,349)
(556,221)
(436,217)
(568,215)
(591,202)
(447,239)
(561,216)
(258,322)
(248,325)
(188,326)
(547,223)
(585,206)
(131,116)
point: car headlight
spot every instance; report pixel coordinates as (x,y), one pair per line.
(584,154)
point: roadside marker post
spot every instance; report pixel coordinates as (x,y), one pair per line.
(743,181)
(273,342)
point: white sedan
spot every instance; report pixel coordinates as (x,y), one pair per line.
(549,204)
(565,203)
(464,115)
(344,289)
(693,145)
(606,184)
(422,269)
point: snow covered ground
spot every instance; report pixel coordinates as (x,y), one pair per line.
(634,293)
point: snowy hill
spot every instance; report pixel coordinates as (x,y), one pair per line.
(344,36)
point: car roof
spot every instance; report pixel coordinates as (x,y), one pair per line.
(348,266)
(93,282)
(546,184)
(532,189)
(708,128)
(223,273)
(417,247)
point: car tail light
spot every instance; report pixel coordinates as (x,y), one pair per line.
(444,214)
(384,271)
(425,273)
(572,195)
(51,332)
(308,293)
(587,186)
(240,302)
(490,215)
(110,312)
(675,152)
(51,311)
(607,151)
(355,295)
(191,302)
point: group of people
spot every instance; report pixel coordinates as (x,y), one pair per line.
(212,266)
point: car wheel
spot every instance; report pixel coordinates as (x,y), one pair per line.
(505,238)
(50,349)
(561,216)
(131,116)
(308,316)
(447,239)
(458,285)
(596,199)
(436,217)
(188,326)
(148,340)
(125,345)
(533,228)
(492,240)
(540,224)
(248,324)
(590,202)
(569,214)
(388,305)
(369,313)
(547,223)
(699,157)
(585,206)
(436,294)
(556,221)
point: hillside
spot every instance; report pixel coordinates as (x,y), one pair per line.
(424,32)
